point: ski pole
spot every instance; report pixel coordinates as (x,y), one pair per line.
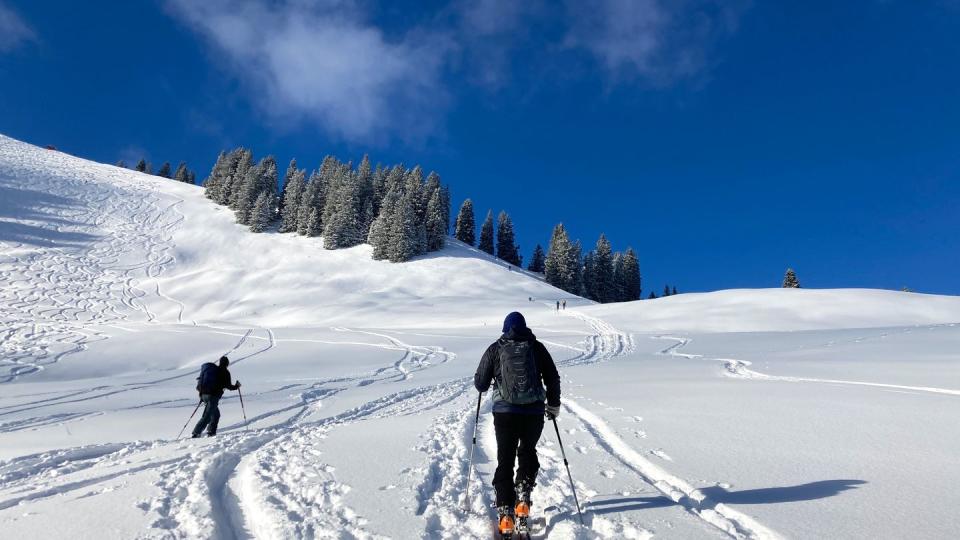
(567,465)
(189,419)
(466,500)
(242,408)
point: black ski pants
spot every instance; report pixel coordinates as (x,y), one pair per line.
(211,415)
(517,436)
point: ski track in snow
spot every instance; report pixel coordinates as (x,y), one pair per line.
(740,369)
(53,297)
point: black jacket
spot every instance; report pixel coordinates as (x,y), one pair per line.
(489,371)
(223,382)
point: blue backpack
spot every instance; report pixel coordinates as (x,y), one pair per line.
(208,381)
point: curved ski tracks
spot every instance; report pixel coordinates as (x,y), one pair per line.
(740,369)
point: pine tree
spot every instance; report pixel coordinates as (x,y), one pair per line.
(631,276)
(666,290)
(436,228)
(192,178)
(790,280)
(619,289)
(164,171)
(407,233)
(264,212)
(603,271)
(233,187)
(562,266)
(674,291)
(486,234)
(121,163)
(342,229)
(182,174)
(445,205)
(379,188)
(466,229)
(653,296)
(248,193)
(381,230)
(537,260)
(313,223)
(287,177)
(589,277)
(365,196)
(141,165)
(292,193)
(506,244)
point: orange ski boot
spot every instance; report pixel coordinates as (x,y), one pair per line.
(506,524)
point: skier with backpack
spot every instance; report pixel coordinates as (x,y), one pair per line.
(523,376)
(213,379)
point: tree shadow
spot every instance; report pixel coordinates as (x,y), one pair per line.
(26,205)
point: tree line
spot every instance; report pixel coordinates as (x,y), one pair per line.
(181,174)
(600,275)
(394,209)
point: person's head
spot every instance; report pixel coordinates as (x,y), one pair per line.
(514,320)
(224,361)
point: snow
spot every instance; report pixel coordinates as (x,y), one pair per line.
(743,414)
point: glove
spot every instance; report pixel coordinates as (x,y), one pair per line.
(553,411)
(238,384)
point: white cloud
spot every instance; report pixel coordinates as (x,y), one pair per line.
(657,40)
(13,30)
(323,61)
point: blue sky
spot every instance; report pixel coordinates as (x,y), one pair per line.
(723,141)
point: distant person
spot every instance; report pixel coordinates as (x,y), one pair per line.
(564,305)
(523,375)
(558,305)
(213,379)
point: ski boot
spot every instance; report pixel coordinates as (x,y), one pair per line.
(522,510)
(506,522)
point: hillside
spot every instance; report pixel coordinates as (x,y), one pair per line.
(734,414)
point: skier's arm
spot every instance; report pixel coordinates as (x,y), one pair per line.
(548,371)
(484,375)
(227,384)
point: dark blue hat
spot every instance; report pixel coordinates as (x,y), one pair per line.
(514,320)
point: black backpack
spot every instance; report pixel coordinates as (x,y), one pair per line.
(207,382)
(519,382)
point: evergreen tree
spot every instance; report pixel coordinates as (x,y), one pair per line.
(506,244)
(379,188)
(466,229)
(575,266)
(292,192)
(192,178)
(445,205)
(486,234)
(313,223)
(537,260)
(674,291)
(630,277)
(407,233)
(652,296)
(666,290)
(343,228)
(603,271)
(261,178)
(436,226)
(381,230)
(365,197)
(790,280)
(287,177)
(182,174)
(589,278)
(619,291)
(562,266)
(164,171)
(310,200)
(141,165)
(233,187)
(122,163)
(264,212)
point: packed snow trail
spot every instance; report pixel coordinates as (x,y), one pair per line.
(740,369)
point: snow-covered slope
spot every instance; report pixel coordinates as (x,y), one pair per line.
(737,414)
